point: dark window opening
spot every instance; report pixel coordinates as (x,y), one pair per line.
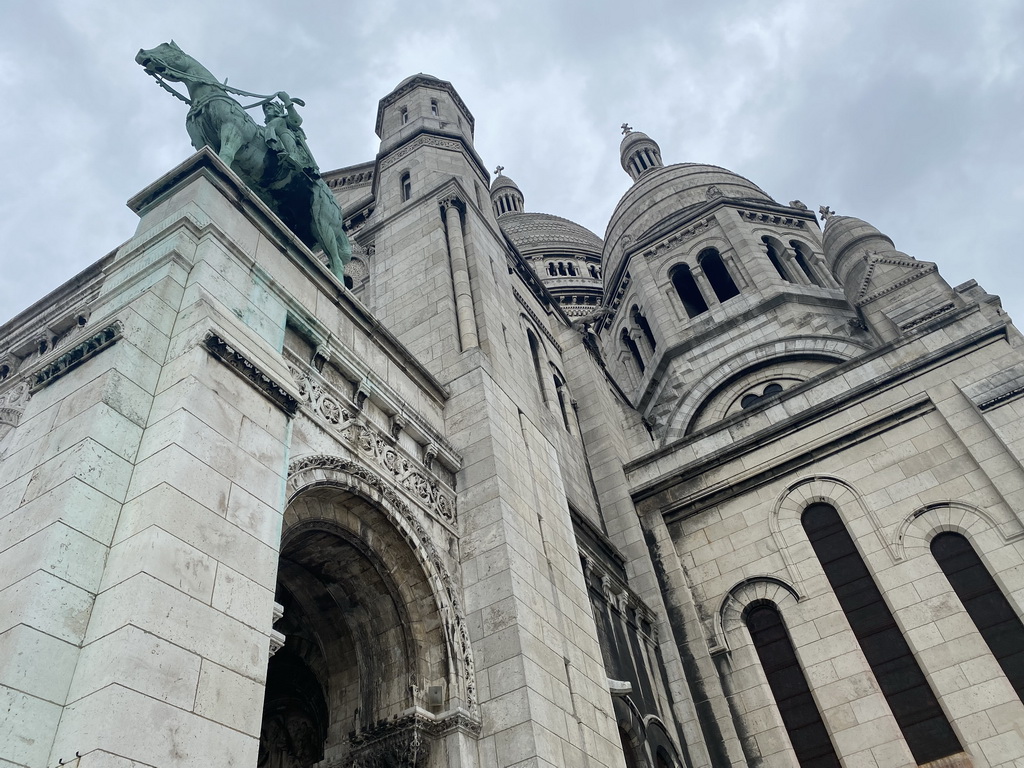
(775,257)
(717,274)
(433,107)
(562,397)
(913,704)
(803,259)
(806,730)
(645,328)
(629,344)
(749,401)
(988,608)
(535,353)
(405,115)
(688,291)
(406,187)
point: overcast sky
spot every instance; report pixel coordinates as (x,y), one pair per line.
(905,114)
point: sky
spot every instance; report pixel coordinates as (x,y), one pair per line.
(906,114)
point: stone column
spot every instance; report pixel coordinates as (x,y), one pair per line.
(460,276)
(710,297)
(794,267)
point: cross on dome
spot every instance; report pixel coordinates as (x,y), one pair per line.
(626,128)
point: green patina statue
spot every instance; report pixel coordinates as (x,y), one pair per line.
(273,159)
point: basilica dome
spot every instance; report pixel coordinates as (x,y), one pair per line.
(542,231)
(665,194)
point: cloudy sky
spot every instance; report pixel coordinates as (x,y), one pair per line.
(907,114)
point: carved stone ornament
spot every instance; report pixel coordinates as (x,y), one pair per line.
(372,444)
(713,192)
(76,356)
(241,365)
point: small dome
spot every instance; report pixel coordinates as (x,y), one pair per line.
(846,236)
(422,77)
(639,154)
(542,231)
(501,181)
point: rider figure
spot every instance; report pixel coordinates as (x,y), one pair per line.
(285,137)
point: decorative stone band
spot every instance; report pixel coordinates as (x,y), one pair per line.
(618,594)
(405,741)
(772,218)
(76,356)
(342,418)
(238,363)
(425,140)
(679,237)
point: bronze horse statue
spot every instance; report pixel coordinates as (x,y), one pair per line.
(216,120)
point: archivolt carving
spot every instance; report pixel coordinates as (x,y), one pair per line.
(917,530)
(317,470)
(755,589)
(370,442)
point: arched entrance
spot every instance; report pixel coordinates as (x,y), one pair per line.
(364,639)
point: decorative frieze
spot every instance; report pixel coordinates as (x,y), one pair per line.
(424,140)
(679,237)
(774,219)
(241,365)
(343,419)
(76,356)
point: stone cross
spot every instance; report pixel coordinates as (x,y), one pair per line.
(825,211)
(498,170)
(625,128)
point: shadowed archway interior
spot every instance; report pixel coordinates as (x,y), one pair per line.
(363,638)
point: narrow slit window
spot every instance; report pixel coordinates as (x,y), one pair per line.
(800,716)
(913,704)
(633,349)
(406,183)
(991,612)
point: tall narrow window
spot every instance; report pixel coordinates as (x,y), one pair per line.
(917,712)
(645,328)
(433,107)
(807,732)
(562,398)
(714,268)
(634,350)
(404,112)
(775,257)
(689,292)
(535,354)
(406,184)
(803,258)
(990,611)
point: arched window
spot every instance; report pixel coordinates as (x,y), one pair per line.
(807,732)
(775,257)
(645,328)
(404,112)
(433,107)
(913,704)
(990,611)
(803,258)
(714,268)
(535,354)
(406,184)
(689,293)
(630,345)
(552,269)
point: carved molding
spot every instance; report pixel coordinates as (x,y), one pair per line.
(241,365)
(774,218)
(536,320)
(424,140)
(676,238)
(916,270)
(317,469)
(404,742)
(344,420)
(76,356)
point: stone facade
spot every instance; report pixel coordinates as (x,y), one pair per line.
(513,495)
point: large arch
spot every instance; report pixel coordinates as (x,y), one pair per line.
(685,413)
(372,620)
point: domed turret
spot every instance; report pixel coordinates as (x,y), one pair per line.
(846,242)
(638,153)
(506,197)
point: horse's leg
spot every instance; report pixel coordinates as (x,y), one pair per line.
(231,140)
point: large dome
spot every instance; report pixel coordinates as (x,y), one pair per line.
(531,232)
(662,192)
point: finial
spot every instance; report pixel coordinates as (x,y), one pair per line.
(625,129)
(498,170)
(826,212)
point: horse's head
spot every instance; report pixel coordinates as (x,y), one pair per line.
(167,60)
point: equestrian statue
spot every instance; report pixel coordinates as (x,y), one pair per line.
(273,159)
